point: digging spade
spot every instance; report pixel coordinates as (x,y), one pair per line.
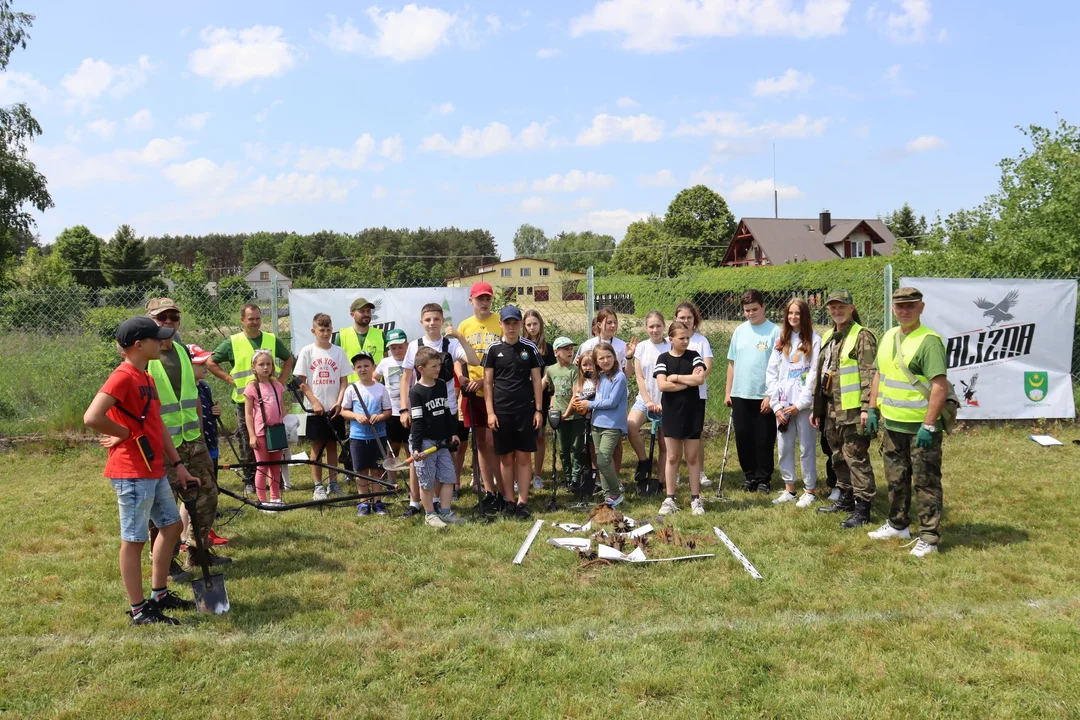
(210,595)
(393,464)
(650,485)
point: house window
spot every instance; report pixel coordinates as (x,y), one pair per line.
(858,249)
(544,272)
(526,272)
(521,291)
(530,290)
(264,275)
(505,272)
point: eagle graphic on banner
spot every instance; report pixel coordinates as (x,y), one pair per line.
(998,313)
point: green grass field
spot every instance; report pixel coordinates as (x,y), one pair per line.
(341,618)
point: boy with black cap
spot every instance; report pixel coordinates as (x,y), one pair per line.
(127,412)
(513,395)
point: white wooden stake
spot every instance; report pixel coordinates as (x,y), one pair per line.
(528,542)
(738,554)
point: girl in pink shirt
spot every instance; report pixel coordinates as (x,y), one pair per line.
(263,405)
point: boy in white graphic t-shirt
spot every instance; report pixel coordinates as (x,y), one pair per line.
(322,371)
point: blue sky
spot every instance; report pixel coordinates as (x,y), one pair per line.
(244,116)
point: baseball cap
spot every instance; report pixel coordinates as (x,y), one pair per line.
(360,355)
(141,328)
(198,355)
(481,288)
(842,296)
(907,295)
(160,304)
(359,303)
(510,313)
(561,342)
(396,337)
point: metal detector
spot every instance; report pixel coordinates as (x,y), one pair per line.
(554,419)
(720,496)
(585,487)
(394,464)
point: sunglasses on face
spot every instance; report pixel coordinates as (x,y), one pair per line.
(169,316)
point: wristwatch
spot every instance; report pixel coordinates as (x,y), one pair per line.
(929,428)
(177,464)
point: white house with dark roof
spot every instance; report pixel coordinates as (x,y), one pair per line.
(776,241)
(261,279)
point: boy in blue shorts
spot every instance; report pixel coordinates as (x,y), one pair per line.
(127,412)
(367,406)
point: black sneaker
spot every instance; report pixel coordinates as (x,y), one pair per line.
(177,573)
(509,509)
(410,511)
(642,471)
(762,488)
(521,512)
(172,601)
(151,615)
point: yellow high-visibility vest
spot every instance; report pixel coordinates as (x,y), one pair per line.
(181,416)
(374,343)
(900,400)
(850,382)
(243,354)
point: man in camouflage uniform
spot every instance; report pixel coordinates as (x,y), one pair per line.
(844,375)
(911,413)
(182,414)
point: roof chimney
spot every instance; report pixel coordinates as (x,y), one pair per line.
(825,222)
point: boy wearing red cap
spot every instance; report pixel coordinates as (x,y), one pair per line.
(482,330)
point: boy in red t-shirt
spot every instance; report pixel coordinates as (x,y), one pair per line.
(127,412)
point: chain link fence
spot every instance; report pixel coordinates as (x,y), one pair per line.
(56,345)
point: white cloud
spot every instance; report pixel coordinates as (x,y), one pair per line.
(660,178)
(760,190)
(411,34)
(260,117)
(493,138)
(892,73)
(94,77)
(606,222)
(791,81)
(730,124)
(160,150)
(627,103)
(234,57)
(545,53)
(202,175)
(254,151)
(318,158)
(21,87)
(893,77)
(142,120)
(102,128)
(392,148)
(379,192)
(518,187)
(573,181)
(612,128)
(443,108)
(652,26)
(704,175)
(909,25)
(534,204)
(924,143)
(583,203)
(67,166)
(195,121)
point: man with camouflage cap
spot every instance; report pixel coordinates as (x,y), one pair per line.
(845,373)
(181,411)
(912,387)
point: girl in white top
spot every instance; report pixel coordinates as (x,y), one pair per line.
(605,325)
(789,385)
(647,403)
(688,314)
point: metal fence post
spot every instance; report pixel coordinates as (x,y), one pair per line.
(274,304)
(590,300)
(887,284)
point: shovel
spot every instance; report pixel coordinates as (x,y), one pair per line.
(393,464)
(650,485)
(210,595)
(554,419)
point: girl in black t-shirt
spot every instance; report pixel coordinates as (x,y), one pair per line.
(679,372)
(533,329)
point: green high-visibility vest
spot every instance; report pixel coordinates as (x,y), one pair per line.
(374,343)
(850,382)
(900,401)
(181,417)
(243,354)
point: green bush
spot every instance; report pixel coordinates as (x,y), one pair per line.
(102,322)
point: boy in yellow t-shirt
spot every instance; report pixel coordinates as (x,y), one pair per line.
(481,331)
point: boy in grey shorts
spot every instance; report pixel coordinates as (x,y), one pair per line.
(432,424)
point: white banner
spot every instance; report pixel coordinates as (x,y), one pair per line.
(399,308)
(1009,343)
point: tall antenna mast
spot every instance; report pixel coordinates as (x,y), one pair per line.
(775,195)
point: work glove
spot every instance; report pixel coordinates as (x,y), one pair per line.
(925,439)
(871,422)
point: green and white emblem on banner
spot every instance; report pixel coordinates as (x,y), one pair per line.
(1035,385)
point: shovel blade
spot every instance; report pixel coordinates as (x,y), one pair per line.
(210,595)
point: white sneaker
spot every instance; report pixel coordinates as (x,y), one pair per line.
(433,520)
(538,482)
(704,480)
(834,495)
(806,500)
(320,493)
(784,497)
(668,507)
(922,549)
(887,531)
(697,507)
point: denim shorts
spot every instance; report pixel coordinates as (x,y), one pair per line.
(142,500)
(639,405)
(435,468)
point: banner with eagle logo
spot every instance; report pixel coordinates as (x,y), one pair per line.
(1008,343)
